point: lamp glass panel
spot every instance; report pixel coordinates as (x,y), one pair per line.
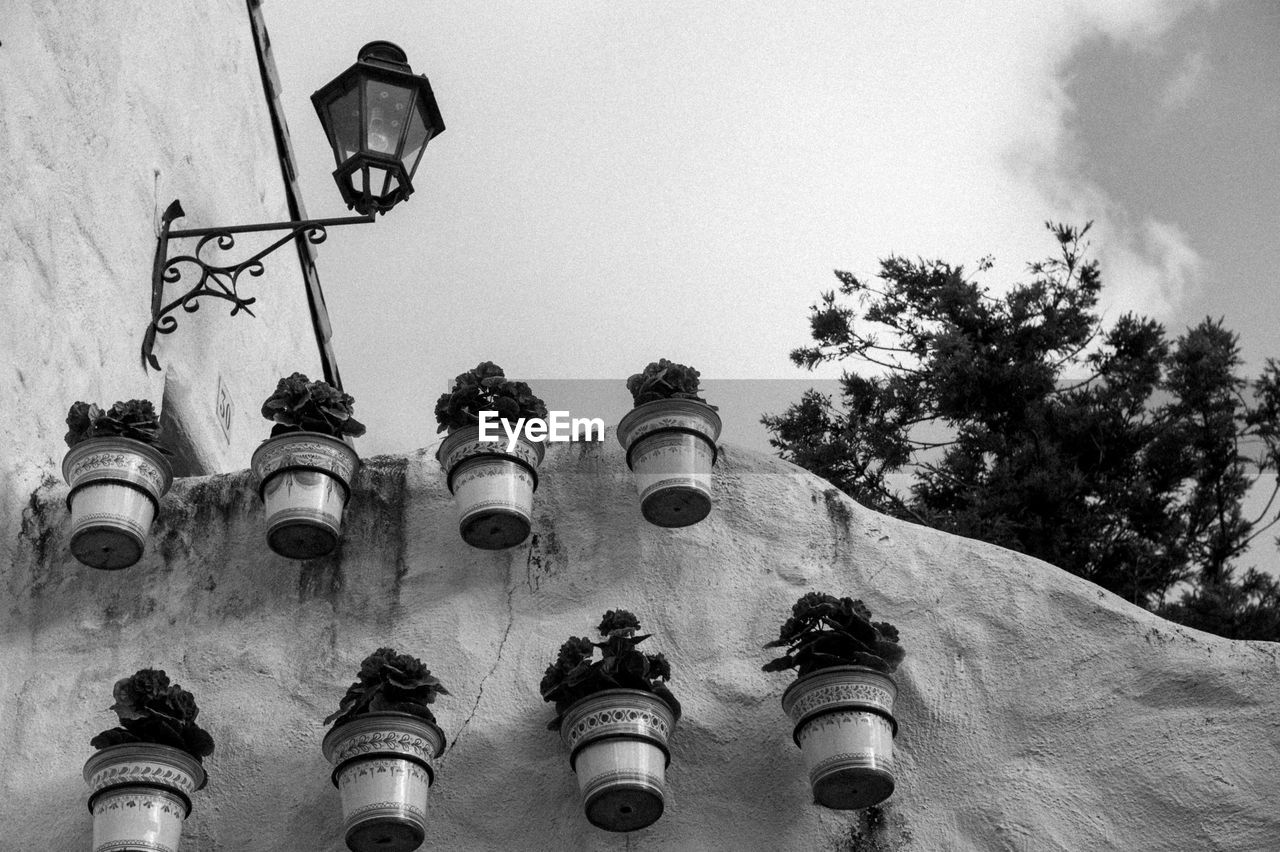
(344,123)
(356,180)
(420,131)
(387,109)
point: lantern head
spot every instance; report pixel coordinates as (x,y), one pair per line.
(378,116)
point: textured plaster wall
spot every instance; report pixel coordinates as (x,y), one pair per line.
(109,111)
(1037,712)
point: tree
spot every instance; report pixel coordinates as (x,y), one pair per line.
(1111,452)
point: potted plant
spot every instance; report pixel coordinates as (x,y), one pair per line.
(842,702)
(305,468)
(118,471)
(145,771)
(383,738)
(615,715)
(670,438)
(492,480)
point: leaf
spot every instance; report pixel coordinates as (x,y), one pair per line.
(891,652)
(666,695)
(855,627)
(579,673)
(633,665)
(113,736)
(507,408)
(871,661)
(197,742)
(126,704)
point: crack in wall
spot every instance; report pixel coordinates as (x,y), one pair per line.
(497,658)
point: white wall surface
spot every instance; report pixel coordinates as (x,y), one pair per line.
(1037,711)
(109,111)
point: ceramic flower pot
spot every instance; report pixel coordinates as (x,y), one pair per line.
(140,796)
(493,487)
(381,767)
(304,480)
(671,446)
(844,726)
(617,741)
(116,486)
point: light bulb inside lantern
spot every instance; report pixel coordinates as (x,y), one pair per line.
(379,138)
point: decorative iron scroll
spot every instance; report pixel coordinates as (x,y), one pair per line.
(217,280)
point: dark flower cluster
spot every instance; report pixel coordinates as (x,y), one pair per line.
(665,379)
(390,682)
(153,710)
(825,631)
(134,418)
(486,388)
(575,674)
(301,405)
(617,619)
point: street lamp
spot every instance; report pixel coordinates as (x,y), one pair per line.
(378,116)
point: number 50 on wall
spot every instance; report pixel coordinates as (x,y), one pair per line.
(223,407)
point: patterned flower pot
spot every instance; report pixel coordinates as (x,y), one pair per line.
(382,771)
(116,486)
(493,488)
(671,446)
(141,795)
(617,742)
(844,726)
(304,480)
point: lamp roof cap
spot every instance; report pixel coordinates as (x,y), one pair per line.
(386,54)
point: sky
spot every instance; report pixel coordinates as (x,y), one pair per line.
(620,182)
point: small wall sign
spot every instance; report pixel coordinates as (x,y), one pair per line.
(223,408)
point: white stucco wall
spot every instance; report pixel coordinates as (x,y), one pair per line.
(1037,712)
(109,111)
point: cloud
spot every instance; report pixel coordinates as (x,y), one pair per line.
(1150,266)
(1190,80)
(647,173)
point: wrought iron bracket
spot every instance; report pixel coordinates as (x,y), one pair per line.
(219,280)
